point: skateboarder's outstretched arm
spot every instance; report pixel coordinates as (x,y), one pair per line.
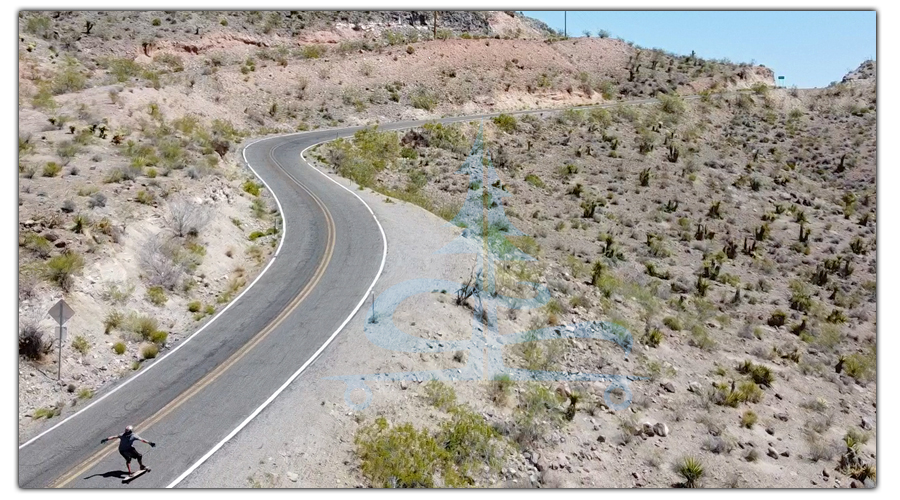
(110,438)
(151,443)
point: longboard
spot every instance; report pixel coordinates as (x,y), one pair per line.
(134,476)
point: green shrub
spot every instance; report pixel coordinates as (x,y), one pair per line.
(691,469)
(440,394)
(673,323)
(37,244)
(47,413)
(760,374)
(51,169)
(119,348)
(500,388)
(401,456)
(159,338)
(422,98)
(535,181)
(194,306)
(62,269)
(113,320)
(70,79)
(145,197)
(85,393)
(653,337)
(81,344)
(470,441)
(861,366)
(748,419)
(157,296)
(312,51)
(149,351)
(506,123)
(252,187)
(143,326)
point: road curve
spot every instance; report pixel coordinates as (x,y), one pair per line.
(196,396)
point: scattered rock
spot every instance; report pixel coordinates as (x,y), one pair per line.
(669,386)
(772,453)
(866,424)
(601,438)
(661,429)
(694,387)
(786,454)
(293,476)
(404,385)
(782,416)
(770,431)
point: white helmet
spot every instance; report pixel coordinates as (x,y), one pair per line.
(128,429)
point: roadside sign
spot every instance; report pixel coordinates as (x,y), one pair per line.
(61,332)
(61,312)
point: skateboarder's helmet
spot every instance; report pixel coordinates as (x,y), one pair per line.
(129,429)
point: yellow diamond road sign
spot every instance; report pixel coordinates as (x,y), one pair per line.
(62,311)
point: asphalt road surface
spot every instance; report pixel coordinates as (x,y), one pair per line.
(193,397)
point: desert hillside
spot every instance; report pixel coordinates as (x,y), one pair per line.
(732,233)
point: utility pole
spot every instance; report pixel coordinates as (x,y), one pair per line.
(435,25)
(565,25)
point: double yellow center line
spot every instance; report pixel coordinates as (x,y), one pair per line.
(91,461)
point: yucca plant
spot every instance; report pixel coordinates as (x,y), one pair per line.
(691,469)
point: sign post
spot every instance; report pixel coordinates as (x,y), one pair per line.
(61,312)
(780,80)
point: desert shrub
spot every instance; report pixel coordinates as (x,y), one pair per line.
(312,51)
(186,217)
(61,270)
(402,456)
(194,306)
(760,374)
(535,181)
(157,296)
(145,197)
(860,366)
(51,169)
(144,326)
(673,323)
(252,187)
(423,98)
(506,123)
(119,348)
(470,441)
(158,337)
(69,79)
(440,395)
(149,351)
(691,469)
(748,419)
(538,409)
(37,244)
(777,318)
(500,388)
(31,341)
(162,262)
(81,344)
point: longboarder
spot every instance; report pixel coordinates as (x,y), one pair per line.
(126,448)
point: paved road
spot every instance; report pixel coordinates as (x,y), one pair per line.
(192,398)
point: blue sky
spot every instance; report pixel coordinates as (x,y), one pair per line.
(810,48)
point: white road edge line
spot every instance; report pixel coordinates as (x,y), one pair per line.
(296,374)
(185,341)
